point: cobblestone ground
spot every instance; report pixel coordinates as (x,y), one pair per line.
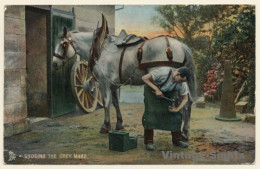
(75,139)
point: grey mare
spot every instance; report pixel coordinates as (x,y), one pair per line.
(104,63)
(69,44)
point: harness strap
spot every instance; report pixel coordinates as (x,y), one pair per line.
(120,64)
(146,65)
(66,47)
(173,89)
(140,52)
(168,49)
(169,74)
(59,56)
(71,43)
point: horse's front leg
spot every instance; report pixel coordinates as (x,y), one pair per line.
(106,93)
(186,119)
(115,100)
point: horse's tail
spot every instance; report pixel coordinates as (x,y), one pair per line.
(189,62)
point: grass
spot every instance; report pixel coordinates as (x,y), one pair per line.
(129,88)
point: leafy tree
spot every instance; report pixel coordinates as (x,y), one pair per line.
(215,33)
(235,40)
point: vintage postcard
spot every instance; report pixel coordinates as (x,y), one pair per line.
(129,84)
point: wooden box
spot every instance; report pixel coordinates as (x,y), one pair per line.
(120,141)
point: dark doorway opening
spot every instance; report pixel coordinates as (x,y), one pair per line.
(37,61)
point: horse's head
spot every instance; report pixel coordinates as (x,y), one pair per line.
(64,49)
(99,36)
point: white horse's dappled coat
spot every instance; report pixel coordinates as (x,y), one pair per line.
(106,68)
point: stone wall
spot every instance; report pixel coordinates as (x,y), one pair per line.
(87,16)
(15,100)
(15,107)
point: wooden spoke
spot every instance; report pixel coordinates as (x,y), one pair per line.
(89,94)
(87,101)
(81,72)
(79,75)
(80,92)
(79,79)
(90,101)
(90,78)
(86,74)
(83,99)
(79,86)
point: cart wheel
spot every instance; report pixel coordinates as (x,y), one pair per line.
(84,87)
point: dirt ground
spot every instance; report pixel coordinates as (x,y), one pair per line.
(75,139)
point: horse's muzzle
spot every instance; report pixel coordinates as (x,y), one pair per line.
(55,65)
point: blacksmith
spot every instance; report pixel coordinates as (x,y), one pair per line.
(163,83)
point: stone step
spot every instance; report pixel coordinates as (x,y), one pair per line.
(200,103)
(241,107)
(250,118)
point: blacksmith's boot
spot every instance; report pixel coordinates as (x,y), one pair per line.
(148,139)
(176,139)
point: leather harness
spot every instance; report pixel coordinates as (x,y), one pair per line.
(146,65)
(169,74)
(120,64)
(66,47)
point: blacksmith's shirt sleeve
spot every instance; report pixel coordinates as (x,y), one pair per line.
(156,75)
(184,89)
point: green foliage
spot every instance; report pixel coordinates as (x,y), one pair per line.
(235,38)
(184,21)
(216,33)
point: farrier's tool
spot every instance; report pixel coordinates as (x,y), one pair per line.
(172,100)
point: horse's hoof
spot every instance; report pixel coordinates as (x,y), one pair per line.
(120,127)
(104,131)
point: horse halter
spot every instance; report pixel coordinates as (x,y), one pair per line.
(65,48)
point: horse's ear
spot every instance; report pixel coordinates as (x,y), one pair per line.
(65,31)
(107,28)
(104,26)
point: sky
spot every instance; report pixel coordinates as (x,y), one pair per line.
(136,19)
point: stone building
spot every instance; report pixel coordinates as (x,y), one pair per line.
(28,37)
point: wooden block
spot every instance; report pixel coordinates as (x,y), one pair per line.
(120,141)
(200,102)
(201,99)
(250,118)
(241,107)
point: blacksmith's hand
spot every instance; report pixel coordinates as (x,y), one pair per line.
(158,93)
(173,109)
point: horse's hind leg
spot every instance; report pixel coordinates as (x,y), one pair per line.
(106,93)
(115,100)
(186,119)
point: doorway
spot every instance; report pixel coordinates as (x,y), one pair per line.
(37,61)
